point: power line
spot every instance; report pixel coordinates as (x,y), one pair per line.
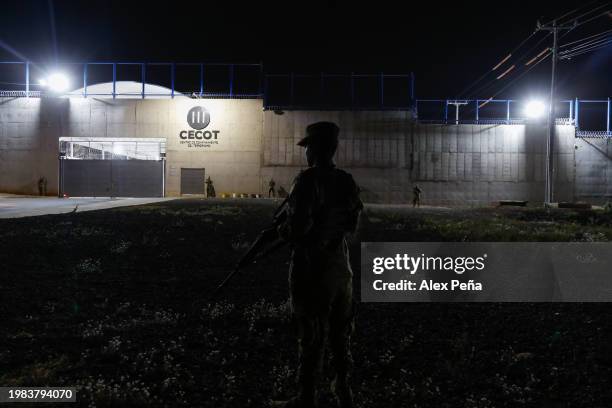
(578,25)
(585,45)
(561,17)
(520,76)
(521,58)
(589,49)
(509,55)
(585,38)
(514,80)
(581,43)
(607,3)
(496,65)
(594,17)
(584,41)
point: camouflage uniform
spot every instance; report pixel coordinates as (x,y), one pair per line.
(322,209)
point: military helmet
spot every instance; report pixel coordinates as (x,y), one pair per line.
(321,134)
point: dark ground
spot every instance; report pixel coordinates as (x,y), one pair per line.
(117,303)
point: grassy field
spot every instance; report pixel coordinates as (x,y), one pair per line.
(117,303)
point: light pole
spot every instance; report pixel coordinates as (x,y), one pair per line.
(550,144)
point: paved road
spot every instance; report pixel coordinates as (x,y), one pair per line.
(12,206)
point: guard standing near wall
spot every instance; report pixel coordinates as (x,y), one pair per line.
(322,211)
(272,190)
(416,196)
(42,186)
(210,188)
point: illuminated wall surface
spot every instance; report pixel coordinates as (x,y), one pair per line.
(453,164)
(241,146)
(228,147)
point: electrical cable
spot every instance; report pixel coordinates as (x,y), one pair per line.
(594,17)
(571,12)
(585,38)
(510,83)
(509,56)
(585,45)
(521,58)
(529,37)
(497,65)
(594,38)
(584,51)
(521,75)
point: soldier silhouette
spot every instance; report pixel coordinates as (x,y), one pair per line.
(41,183)
(416,196)
(42,186)
(272,190)
(322,211)
(210,188)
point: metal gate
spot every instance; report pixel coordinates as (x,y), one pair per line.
(192,181)
(112,167)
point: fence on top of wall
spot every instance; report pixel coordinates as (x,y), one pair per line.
(590,116)
(292,91)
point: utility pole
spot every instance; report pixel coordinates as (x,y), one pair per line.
(550,173)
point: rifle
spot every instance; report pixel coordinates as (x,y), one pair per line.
(267,242)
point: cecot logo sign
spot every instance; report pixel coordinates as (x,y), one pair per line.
(198,118)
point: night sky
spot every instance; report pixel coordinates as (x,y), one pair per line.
(447,45)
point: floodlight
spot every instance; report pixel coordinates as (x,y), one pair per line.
(57,82)
(118,149)
(535,109)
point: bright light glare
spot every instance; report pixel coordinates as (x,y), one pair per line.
(118,149)
(58,82)
(42,82)
(535,109)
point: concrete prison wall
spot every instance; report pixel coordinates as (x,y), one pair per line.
(30,129)
(453,164)
(29,132)
(594,169)
(386,151)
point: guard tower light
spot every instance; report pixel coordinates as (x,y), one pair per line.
(535,109)
(57,82)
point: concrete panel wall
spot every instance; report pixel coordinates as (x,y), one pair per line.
(454,164)
(594,169)
(385,150)
(475,164)
(30,130)
(373,143)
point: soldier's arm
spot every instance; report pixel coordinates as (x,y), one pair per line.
(356,205)
(300,205)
